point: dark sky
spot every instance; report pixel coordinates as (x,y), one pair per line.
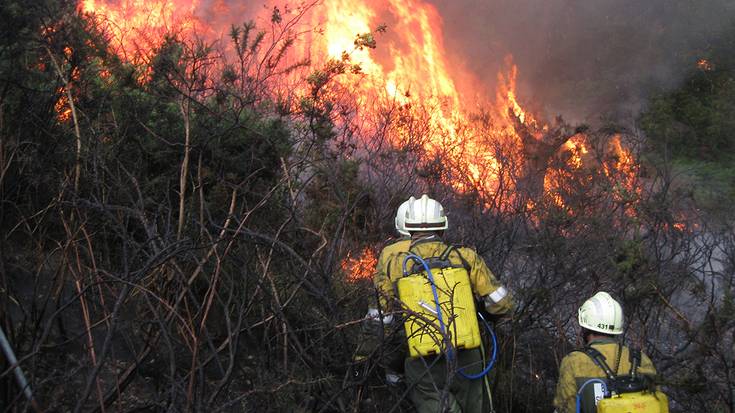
(585,59)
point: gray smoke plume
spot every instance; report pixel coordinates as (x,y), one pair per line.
(585,59)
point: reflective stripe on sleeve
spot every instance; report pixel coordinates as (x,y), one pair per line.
(498,295)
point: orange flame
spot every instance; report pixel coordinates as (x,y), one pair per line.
(415,69)
(361,266)
(409,71)
(704,64)
(507,94)
(137,26)
(621,167)
(62,107)
(577,147)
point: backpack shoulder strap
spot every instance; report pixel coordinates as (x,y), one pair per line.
(599,360)
(432,260)
(445,256)
(398,257)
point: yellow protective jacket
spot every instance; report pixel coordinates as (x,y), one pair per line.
(578,366)
(389,269)
(381,268)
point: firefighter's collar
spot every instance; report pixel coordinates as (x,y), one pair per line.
(603,340)
(424,238)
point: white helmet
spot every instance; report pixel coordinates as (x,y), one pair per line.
(425,214)
(401,219)
(601,313)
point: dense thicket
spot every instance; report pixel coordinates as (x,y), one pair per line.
(172,232)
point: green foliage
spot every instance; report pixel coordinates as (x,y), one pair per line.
(710,183)
(364,40)
(630,259)
(240,37)
(693,125)
(335,191)
(697,120)
(34,150)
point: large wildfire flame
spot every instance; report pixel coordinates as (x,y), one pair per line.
(410,69)
(137,26)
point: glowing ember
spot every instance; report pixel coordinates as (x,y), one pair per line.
(704,64)
(360,267)
(61,107)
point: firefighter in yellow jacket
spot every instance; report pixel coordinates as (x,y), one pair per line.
(601,322)
(428,377)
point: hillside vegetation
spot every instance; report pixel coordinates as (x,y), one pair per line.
(692,126)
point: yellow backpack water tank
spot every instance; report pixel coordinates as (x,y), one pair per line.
(457,309)
(638,402)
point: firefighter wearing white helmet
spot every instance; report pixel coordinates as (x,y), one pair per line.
(424,215)
(602,314)
(601,324)
(425,220)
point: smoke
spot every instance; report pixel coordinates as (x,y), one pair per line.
(584,59)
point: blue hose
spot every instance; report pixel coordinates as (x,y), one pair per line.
(494,357)
(433,287)
(442,327)
(579,392)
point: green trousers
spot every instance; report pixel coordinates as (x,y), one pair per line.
(434,389)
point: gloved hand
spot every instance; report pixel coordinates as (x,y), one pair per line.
(392,378)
